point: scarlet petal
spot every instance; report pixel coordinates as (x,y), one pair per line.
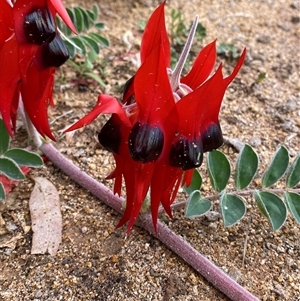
(155,32)
(105,105)
(202,67)
(9,78)
(6,22)
(152,89)
(36,92)
(58,7)
(164,187)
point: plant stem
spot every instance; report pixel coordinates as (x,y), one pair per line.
(201,264)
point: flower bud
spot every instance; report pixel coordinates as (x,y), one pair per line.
(186,154)
(145,142)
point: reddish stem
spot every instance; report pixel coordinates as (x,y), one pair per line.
(179,246)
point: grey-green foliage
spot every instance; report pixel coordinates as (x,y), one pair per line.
(232,205)
(11,160)
(88,41)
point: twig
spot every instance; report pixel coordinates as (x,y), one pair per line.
(179,246)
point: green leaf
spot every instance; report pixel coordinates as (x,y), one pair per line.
(195,183)
(78,42)
(95,11)
(218,169)
(71,14)
(246,167)
(88,64)
(95,77)
(277,167)
(4,141)
(75,66)
(90,16)
(293,201)
(92,56)
(99,25)
(99,39)
(91,43)
(293,175)
(10,169)
(233,209)
(85,18)
(272,207)
(79,19)
(24,157)
(2,192)
(71,49)
(196,206)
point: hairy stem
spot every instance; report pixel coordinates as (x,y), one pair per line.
(201,264)
(175,77)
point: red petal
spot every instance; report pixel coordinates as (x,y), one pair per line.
(201,106)
(236,69)
(61,11)
(202,67)
(106,104)
(155,32)
(36,91)
(6,22)
(152,88)
(9,78)
(162,184)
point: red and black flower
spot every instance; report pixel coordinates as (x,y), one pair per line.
(164,122)
(30,51)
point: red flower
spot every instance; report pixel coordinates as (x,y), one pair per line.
(30,51)
(164,124)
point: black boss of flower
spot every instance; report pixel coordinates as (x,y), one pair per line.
(145,142)
(39,26)
(110,135)
(212,138)
(186,153)
(55,53)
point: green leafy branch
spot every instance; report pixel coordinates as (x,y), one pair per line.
(87,43)
(232,204)
(12,160)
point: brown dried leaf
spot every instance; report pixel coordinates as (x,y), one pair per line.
(46,217)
